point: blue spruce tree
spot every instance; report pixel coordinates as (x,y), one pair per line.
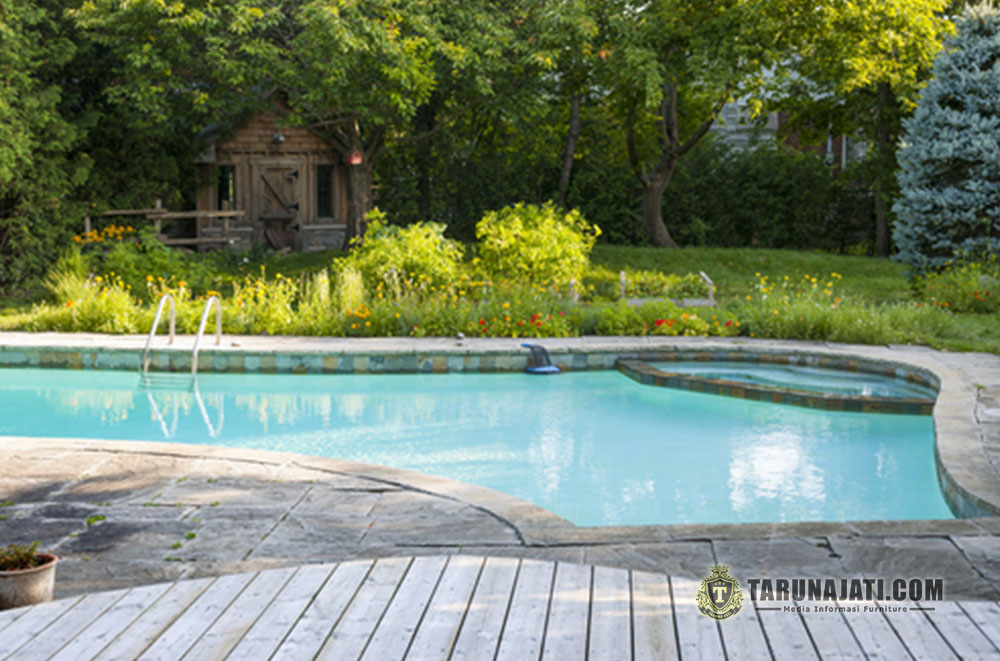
(949,175)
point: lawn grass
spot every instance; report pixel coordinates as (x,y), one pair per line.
(733,269)
(867,279)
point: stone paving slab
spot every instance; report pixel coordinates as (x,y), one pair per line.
(168,516)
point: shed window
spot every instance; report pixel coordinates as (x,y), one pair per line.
(226,187)
(324,191)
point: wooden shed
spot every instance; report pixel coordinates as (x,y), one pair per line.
(290,184)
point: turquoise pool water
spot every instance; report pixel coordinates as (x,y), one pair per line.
(594,447)
(800,377)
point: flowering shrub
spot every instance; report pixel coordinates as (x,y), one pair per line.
(810,308)
(418,252)
(531,243)
(963,287)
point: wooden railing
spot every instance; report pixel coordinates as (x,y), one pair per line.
(158,214)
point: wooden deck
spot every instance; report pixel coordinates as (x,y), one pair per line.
(467,607)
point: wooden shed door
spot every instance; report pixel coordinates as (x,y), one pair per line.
(277,187)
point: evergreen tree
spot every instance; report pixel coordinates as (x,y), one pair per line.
(950,158)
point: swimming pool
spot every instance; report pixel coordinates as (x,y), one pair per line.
(593,447)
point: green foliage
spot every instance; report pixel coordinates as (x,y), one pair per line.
(135,261)
(950,159)
(811,308)
(600,283)
(418,252)
(766,196)
(963,286)
(20,556)
(535,243)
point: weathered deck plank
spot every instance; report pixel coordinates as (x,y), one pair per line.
(34,620)
(610,615)
(480,634)
(960,631)
(522,635)
(830,632)
(986,615)
(568,613)
(443,619)
(876,637)
(921,639)
(786,634)
(312,629)
(196,618)
(469,607)
(112,622)
(698,635)
(229,628)
(394,633)
(652,617)
(351,633)
(743,635)
(69,625)
(261,641)
(144,630)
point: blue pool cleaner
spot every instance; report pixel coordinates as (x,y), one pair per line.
(540,362)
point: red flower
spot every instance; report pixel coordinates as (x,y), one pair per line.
(520,323)
(562,314)
(538,323)
(660,322)
(729,323)
(535,316)
(482,322)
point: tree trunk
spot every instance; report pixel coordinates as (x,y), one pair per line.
(652,212)
(885,170)
(571,140)
(359,198)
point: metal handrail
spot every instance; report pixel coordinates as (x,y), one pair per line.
(201,330)
(156,323)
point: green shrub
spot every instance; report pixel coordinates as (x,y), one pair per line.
(531,243)
(963,287)
(134,261)
(416,253)
(600,283)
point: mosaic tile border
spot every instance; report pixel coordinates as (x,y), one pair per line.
(645,374)
(426,362)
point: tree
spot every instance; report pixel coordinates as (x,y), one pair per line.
(857,70)
(38,168)
(950,159)
(674,64)
(352,72)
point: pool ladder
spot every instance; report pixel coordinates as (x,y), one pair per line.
(171,382)
(145,377)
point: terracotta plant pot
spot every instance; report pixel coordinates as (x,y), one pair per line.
(23,587)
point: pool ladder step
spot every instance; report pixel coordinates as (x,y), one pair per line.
(144,374)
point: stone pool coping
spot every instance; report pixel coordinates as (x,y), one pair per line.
(966,413)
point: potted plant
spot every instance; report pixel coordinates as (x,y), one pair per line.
(26,576)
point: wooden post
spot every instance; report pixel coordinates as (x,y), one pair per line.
(158,221)
(572,290)
(621,275)
(86,224)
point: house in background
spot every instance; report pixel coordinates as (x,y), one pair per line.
(291,186)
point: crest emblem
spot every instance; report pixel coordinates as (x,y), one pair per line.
(719,596)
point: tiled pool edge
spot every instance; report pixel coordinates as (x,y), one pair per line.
(967,472)
(641,372)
